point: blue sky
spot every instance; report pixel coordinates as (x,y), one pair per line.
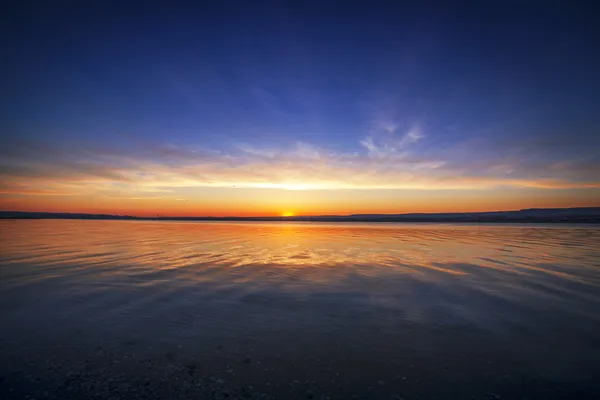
(305,95)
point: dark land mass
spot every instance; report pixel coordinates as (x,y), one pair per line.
(530,215)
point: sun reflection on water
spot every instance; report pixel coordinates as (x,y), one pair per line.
(378,249)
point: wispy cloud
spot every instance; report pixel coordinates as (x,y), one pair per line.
(385,159)
(388,143)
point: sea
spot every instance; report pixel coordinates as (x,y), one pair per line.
(298,310)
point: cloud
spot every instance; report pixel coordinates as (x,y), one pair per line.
(386,159)
(384,142)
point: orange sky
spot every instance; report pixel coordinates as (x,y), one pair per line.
(269,202)
(305,117)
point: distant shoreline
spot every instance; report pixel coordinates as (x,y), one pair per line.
(534,215)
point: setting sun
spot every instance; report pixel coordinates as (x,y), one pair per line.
(287,214)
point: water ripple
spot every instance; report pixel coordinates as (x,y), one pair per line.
(196,278)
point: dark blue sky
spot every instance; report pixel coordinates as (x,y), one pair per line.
(491,80)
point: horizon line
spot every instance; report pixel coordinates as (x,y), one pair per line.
(291,217)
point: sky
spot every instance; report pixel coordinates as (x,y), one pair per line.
(304,108)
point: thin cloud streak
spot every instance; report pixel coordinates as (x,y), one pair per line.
(385,160)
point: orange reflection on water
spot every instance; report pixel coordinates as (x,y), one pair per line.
(421,271)
(314,249)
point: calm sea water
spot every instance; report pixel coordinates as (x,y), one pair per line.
(302,310)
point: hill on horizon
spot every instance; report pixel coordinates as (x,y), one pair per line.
(572,214)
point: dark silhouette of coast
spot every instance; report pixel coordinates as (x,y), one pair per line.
(531,215)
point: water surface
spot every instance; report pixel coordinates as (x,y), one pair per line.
(301,310)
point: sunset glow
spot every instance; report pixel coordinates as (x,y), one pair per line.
(296,199)
(318,121)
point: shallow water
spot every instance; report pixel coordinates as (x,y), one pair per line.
(305,309)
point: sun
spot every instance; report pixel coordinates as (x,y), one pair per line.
(287,214)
